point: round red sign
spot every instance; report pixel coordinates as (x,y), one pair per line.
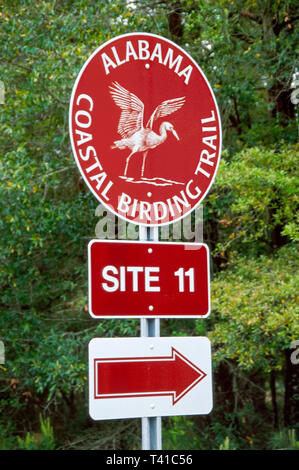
(145,129)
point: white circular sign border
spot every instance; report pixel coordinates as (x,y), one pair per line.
(105,204)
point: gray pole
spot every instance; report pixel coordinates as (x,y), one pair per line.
(150,327)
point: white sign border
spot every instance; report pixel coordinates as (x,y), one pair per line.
(138,317)
(197,401)
(105,204)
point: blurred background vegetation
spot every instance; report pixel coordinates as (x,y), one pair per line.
(248,51)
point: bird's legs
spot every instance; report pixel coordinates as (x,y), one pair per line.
(127,162)
(143,162)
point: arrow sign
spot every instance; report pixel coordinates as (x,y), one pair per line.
(139,377)
(130,279)
(149,376)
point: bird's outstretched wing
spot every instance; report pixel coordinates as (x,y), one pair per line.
(131,118)
(165,108)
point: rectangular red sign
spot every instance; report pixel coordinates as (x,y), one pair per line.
(148,279)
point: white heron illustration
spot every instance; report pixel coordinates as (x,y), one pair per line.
(134,135)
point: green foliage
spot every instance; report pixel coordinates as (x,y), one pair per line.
(254,201)
(7,438)
(285,440)
(180,433)
(255,310)
(226,445)
(38,441)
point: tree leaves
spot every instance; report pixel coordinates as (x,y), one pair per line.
(256,306)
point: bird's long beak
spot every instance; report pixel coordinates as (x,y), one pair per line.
(175,134)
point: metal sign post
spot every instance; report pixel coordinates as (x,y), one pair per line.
(150,327)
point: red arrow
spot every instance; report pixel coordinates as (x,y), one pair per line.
(146,376)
